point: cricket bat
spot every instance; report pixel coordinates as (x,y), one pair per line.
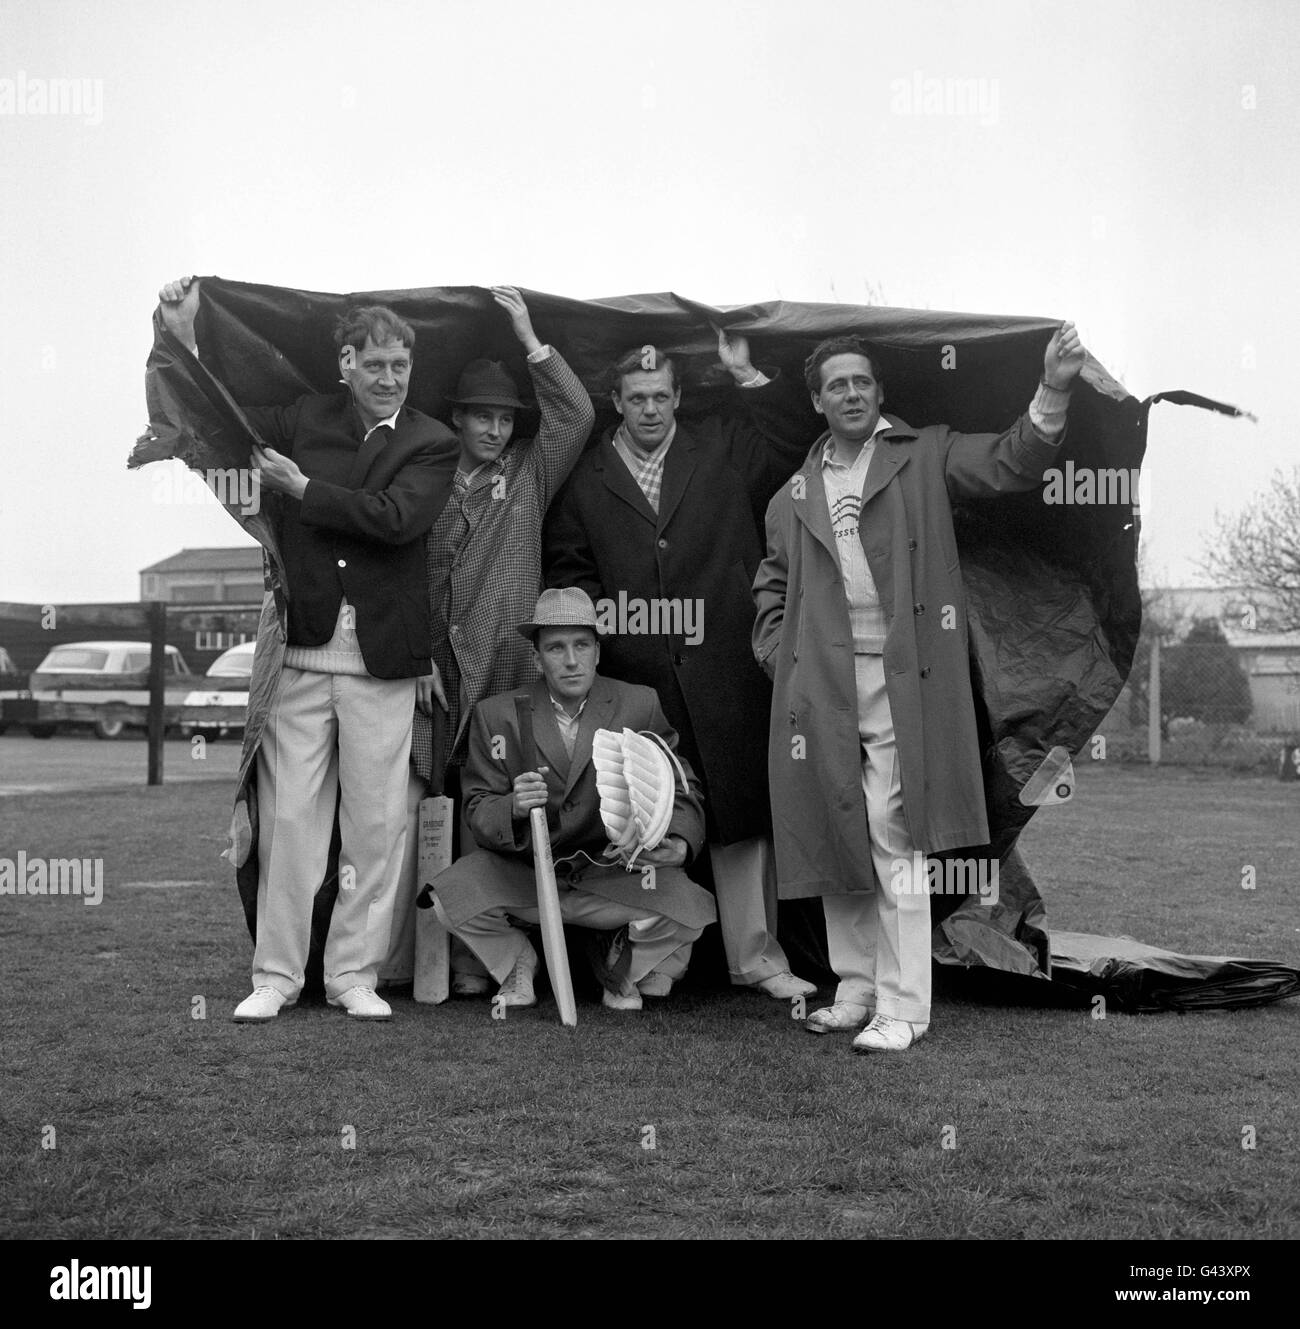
(548,895)
(436,828)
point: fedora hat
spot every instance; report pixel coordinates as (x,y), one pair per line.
(563,607)
(486,383)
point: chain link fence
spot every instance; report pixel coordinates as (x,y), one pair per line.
(1208,703)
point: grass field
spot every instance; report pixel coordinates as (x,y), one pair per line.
(713,1115)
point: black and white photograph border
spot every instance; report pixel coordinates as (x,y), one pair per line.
(967,325)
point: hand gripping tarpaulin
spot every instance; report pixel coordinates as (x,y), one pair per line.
(1053,603)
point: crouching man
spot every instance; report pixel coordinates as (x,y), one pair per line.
(484,896)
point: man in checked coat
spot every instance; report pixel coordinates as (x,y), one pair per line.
(672,513)
(483,559)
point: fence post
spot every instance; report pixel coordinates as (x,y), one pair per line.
(157,682)
(1154,704)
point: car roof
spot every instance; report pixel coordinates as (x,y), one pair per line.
(106,646)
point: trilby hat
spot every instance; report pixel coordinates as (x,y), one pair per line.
(486,383)
(563,607)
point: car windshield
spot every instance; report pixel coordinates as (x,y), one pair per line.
(74,657)
(234,663)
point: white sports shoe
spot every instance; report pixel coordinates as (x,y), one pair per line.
(363,1003)
(262,1004)
(655,985)
(842,1017)
(885,1034)
(785,985)
(517,990)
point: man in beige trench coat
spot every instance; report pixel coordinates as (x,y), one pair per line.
(873,754)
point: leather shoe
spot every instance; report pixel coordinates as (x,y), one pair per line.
(262,1004)
(885,1034)
(469,985)
(785,986)
(655,985)
(363,1003)
(843,1017)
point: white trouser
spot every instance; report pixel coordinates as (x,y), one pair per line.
(656,942)
(880,944)
(744,881)
(327,732)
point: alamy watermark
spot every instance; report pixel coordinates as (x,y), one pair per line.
(634,616)
(78,97)
(1091,485)
(233,486)
(918,875)
(972,97)
(53,876)
(103,1282)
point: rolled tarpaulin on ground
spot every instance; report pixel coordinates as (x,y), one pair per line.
(1140,978)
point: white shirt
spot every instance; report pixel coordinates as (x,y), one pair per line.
(844,482)
(568,723)
(391,422)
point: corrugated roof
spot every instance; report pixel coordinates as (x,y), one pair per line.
(245,558)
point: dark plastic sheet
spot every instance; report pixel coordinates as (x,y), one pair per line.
(1139,978)
(1053,601)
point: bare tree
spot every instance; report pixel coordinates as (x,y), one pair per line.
(1260,548)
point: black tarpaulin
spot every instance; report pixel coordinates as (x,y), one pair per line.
(1053,602)
(1139,978)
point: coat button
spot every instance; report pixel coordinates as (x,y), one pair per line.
(794,719)
(918,609)
(343,562)
(663,544)
(679,659)
(911,544)
(925,673)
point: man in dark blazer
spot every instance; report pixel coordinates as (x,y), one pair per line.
(661,524)
(481,896)
(356,479)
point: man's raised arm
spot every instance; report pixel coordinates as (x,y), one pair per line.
(178,303)
(772,438)
(985,465)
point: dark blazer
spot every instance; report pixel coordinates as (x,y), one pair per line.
(359,528)
(705,544)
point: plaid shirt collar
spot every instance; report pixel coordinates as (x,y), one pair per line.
(647,468)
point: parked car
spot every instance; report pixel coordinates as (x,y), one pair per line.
(9,676)
(228,686)
(93,682)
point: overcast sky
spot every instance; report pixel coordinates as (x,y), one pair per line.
(1129,166)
